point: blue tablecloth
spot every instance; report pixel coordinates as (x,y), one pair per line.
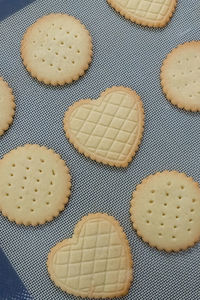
(9,7)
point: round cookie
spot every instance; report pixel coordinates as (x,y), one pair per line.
(165,210)
(180,76)
(7,106)
(34,185)
(56,49)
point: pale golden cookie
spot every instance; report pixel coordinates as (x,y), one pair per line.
(96,262)
(165,211)
(152,13)
(109,129)
(7,106)
(57,49)
(180,76)
(34,185)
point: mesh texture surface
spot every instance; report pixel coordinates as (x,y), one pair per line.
(124,54)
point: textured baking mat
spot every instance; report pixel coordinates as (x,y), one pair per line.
(124,54)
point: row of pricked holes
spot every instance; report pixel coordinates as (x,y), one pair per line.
(169,184)
(51,65)
(35,190)
(70,47)
(179,61)
(164,214)
(61,43)
(54,39)
(165,204)
(28,168)
(29,158)
(162,224)
(59,69)
(175,227)
(60,28)
(32,210)
(39,170)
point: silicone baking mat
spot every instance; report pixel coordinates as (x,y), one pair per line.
(124,54)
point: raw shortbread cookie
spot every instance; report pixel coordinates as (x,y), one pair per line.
(56,49)
(7,106)
(109,129)
(96,262)
(152,13)
(34,185)
(165,211)
(180,76)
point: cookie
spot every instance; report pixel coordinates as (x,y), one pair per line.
(96,262)
(109,129)
(56,49)
(7,106)
(34,185)
(152,13)
(165,210)
(180,76)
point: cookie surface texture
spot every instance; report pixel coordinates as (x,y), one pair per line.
(180,76)
(109,129)
(7,106)
(96,262)
(34,185)
(56,49)
(152,13)
(165,210)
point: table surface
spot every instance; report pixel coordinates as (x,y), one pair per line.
(9,7)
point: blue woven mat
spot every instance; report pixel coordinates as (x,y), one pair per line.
(124,54)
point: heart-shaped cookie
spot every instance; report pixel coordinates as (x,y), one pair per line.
(96,262)
(152,13)
(109,129)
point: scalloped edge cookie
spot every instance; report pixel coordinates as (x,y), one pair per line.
(168,91)
(132,209)
(61,205)
(36,73)
(10,114)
